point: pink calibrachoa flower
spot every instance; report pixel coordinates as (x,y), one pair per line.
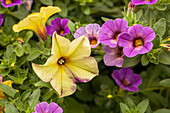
(126,79)
(44,107)
(1,19)
(28,4)
(59,25)
(137,40)
(9,3)
(113,56)
(69,62)
(110,30)
(132,7)
(91,31)
(139,2)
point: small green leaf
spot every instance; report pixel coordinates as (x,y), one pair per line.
(42,84)
(142,106)
(33,99)
(10,108)
(86,10)
(25,95)
(28,36)
(162,111)
(129,62)
(129,102)
(124,108)
(2,66)
(8,90)
(48,95)
(144,60)
(34,55)
(47,2)
(19,50)
(165,82)
(105,19)
(71,25)
(19,104)
(160,27)
(164,57)
(139,14)
(2,102)
(156,42)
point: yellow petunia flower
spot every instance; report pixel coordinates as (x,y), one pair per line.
(69,62)
(36,21)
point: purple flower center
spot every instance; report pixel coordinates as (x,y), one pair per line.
(115,36)
(126,83)
(60,32)
(147,0)
(8,1)
(93,41)
(61,61)
(138,42)
(120,52)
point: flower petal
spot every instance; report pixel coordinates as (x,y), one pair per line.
(148,34)
(56,23)
(138,2)
(136,31)
(59,45)
(121,25)
(79,48)
(113,60)
(146,48)
(80,32)
(108,27)
(136,80)
(109,50)
(131,51)
(84,69)
(133,88)
(41,107)
(50,30)
(64,22)
(46,12)
(92,29)
(64,82)
(125,40)
(125,73)
(54,108)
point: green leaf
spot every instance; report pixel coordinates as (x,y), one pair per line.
(86,10)
(19,104)
(33,99)
(129,102)
(162,111)
(105,19)
(28,36)
(161,7)
(8,90)
(160,27)
(139,14)
(124,108)
(9,21)
(42,84)
(156,42)
(34,55)
(150,17)
(2,102)
(25,95)
(3,66)
(129,62)
(48,95)
(71,25)
(64,9)
(165,82)
(47,2)
(142,106)
(164,57)
(10,108)
(19,50)
(144,60)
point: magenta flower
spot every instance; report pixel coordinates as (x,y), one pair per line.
(132,7)
(28,4)
(91,31)
(127,80)
(43,107)
(1,79)
(59,25)
(113,56)
(110,31)
(1,19)
(137,40)
(9,3)
(138,2)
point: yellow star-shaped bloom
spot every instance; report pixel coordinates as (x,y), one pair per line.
(69,62)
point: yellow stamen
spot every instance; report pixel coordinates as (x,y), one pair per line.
(93,42)
(61,61)
(126,82)
(109,96)
(117,36)
(8,1)
(61,32)
(138,42)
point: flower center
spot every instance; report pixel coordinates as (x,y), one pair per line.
(61,32)
(138,42)
(147,0)
(115,36)
(93,42)
(61,61)
(126,82)
(8,1)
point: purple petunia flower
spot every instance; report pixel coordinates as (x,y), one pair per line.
(43,107)
(137,40)
(59,25)
(91,31)
(28,4)
(9,3)
(126,79)
(110,31)
(1,19)
(113,56)
(138,2)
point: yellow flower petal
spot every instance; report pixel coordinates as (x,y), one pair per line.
(79,48)
(64,82)
(84,69)
(8,83)
(46,12)
(59,45)
(47,71)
